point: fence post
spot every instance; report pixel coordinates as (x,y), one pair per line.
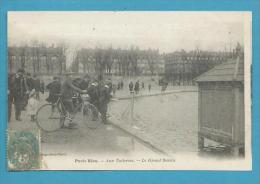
(132,107)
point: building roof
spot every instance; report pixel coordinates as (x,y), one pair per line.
(232,70)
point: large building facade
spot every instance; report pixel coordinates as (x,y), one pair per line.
(110,61)
(182,67)
(37,60)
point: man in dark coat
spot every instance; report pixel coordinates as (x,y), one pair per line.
(29,81)
(54,89)
(20,92)
(137,87)
(83,84)
(68,89)
(104,89)
(131,86)
(100,94)
(10,94)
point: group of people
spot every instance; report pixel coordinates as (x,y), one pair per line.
(98,89)
(24,92)
(137,86)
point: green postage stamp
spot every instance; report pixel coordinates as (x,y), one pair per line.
(23,150)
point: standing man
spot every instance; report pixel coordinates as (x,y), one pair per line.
(122,85)
(20,92)
(142,85)
(149,87)
(104,91)
(67,91)
(137,87)
(131,86)
(114,89)
(54,89)
(10,95)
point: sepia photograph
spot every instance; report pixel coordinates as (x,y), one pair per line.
(112,90)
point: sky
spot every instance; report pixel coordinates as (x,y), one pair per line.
(166,31)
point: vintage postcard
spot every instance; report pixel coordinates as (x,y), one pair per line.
(129,90)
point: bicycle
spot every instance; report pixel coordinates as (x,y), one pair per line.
(51,117)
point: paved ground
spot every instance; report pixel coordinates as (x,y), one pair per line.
(168,122)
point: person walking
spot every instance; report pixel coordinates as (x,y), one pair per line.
(149,87)
(137,87)
(122,85)
(20,92)
(114,89)
(131,86)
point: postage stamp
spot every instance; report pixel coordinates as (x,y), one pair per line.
(23,150)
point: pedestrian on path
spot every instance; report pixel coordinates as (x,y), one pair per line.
(137,87)
(114,89)
(37,86)
(131,86)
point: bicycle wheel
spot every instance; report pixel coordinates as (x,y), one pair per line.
(48,118)
(91,116)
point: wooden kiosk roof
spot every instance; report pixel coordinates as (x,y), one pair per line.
(232,70)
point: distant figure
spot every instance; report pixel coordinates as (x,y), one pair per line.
(118,86)
(37,86)
(149,87)
(142,85)
(137,87)
(131,86)
(164,86)
(122,85)
(114,89)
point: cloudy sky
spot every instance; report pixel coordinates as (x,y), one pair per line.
(166,31)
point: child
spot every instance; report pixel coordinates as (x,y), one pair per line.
(32,105)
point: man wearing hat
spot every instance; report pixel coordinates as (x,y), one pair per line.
(67,91)
(20,93)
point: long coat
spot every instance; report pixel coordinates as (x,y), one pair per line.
(20,90)
(54,89)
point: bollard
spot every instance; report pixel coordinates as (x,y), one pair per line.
(132,106)
(132,117)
